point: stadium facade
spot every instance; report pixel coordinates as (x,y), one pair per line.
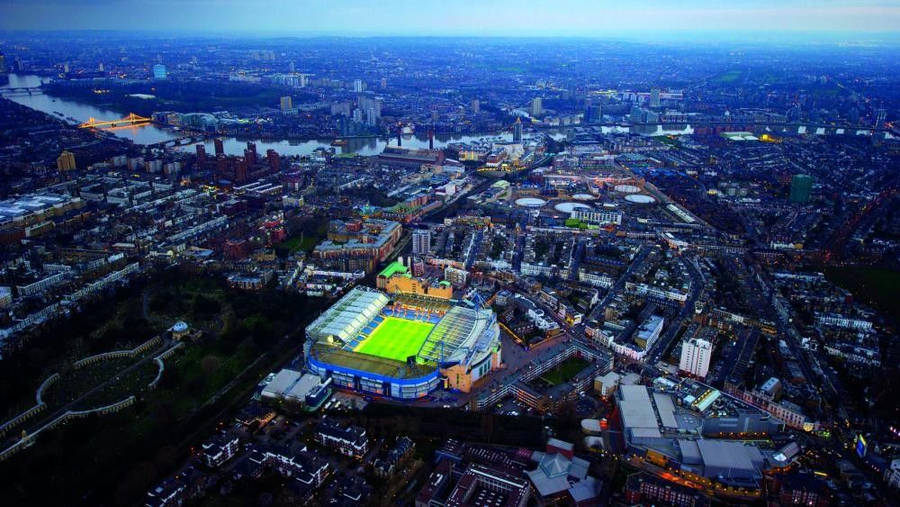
(405,347)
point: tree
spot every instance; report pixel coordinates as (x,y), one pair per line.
(210,364)
(205,306)
(138,480)
(487,427)
(259,328)
(166,457)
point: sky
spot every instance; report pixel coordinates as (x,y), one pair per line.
(457,17)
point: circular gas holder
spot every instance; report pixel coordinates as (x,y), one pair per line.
(569,207)
(640,199)
(530,202)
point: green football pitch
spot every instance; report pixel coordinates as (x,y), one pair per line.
(395,339)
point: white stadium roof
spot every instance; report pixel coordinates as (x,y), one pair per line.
(346,318)
(460,336)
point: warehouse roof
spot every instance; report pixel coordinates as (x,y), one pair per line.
(729,455)
(283,381)
(666,409)
(635,407)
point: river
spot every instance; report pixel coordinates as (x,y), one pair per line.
(68,109)
(150,134)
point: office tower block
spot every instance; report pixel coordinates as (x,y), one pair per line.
(537,106)
(421,242)
(517,131)
(695,356)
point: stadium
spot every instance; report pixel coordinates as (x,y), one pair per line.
(403,348)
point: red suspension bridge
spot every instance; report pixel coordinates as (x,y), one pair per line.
(129,121)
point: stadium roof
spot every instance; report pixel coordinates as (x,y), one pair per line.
(370,364)
(346,318)
(456,338)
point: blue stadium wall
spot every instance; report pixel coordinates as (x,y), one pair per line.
(372,383)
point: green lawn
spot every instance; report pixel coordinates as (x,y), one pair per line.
(395,339)
(565,371)
(728,77)
(295,243)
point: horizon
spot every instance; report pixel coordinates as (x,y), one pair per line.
(856,19)
(697,38)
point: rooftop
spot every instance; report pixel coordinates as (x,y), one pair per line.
(392,269)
